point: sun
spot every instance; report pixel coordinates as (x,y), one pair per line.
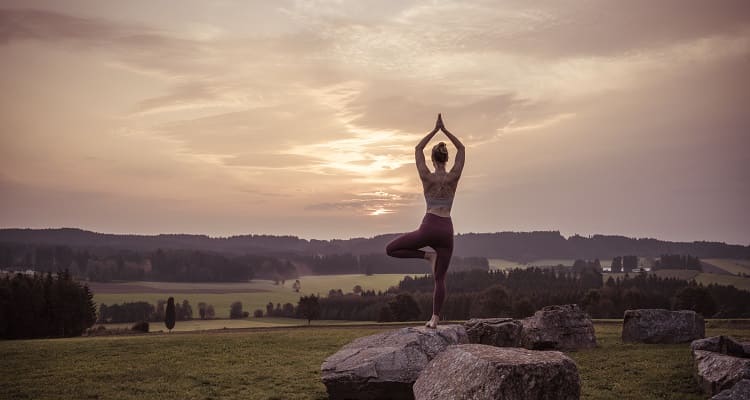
(380,211)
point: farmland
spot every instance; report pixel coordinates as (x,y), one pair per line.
(253,295)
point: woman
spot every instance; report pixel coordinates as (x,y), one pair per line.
(436,230)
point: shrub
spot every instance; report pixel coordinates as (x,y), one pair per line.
(140,326)
(258,313)
(245,314)
(235,310)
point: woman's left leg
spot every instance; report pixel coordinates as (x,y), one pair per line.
(441,270)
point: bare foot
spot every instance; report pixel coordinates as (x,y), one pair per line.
(431,256)
(433,322)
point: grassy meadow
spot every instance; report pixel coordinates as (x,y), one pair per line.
(253,295)
(732,266)
(284,363)
(735,267)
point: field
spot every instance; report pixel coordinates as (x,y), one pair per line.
(284,363)
(705,278)
(734,267)
(501,264)
(253,295)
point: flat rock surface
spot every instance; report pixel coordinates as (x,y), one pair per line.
(716,372)
(477,371)
(662,326)
(386,365)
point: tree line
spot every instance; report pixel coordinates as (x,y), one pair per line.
(44,306)
(518,293)
(516,246)
(145,311)
(179,265)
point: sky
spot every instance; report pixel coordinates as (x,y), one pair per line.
(300,117)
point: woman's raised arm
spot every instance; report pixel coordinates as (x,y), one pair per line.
(419,149)
(458,166)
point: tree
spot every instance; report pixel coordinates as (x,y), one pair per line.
(357,290)
(494,301)
(258,313)
(170,316)
(522,308)
(616,264)
(186,311)
(404,308)
(308,307)
(202,310)
(288,310)
(385,314)
(297,286)
(629,263)
(210,313)
(697,299)
(235,310)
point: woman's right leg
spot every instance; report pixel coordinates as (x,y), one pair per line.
(408,245)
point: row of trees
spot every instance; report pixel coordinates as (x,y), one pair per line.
(677,261)
(44,306)
(144,311)
(518,293)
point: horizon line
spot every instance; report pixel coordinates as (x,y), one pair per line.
(370,237)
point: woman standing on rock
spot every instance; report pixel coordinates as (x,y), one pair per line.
(436,230)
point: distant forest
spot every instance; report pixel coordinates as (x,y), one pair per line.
(519,292)
(178,265)
(515,246)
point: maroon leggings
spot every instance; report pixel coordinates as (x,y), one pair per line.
(435,232)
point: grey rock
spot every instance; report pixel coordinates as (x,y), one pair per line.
(385,365)
(740,391)
(662,326)
(716,372)
(722,344)
(477,371)
(562,327)
(500,332)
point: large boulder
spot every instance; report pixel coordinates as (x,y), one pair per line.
(716,372)
(562,327)
(477,371)
(500,332)
(722,344)
(720,363)
(662,326)
(385,365)
(740,391)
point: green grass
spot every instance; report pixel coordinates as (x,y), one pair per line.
(739,282)
(253,295)
(285,364)
(732,266)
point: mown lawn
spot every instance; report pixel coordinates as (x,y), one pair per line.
(285,364)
